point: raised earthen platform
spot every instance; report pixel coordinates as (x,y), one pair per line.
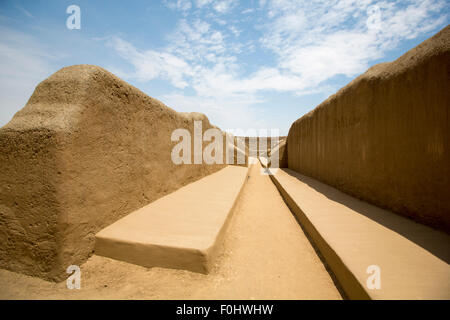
(353,235)
(181,230)
(264,255)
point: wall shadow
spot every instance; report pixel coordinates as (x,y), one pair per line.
(434,241)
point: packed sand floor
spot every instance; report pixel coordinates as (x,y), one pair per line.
(265,255)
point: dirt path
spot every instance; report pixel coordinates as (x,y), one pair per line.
(266,255)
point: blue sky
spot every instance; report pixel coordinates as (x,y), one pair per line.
(245,64)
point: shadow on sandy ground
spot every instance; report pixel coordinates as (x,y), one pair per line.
(434,241)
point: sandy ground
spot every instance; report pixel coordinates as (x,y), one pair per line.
(265,255)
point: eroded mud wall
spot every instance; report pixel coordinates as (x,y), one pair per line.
(87,149)
(385,137)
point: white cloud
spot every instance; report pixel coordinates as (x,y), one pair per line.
(23,64)
(224,6)
(317,40)
(194,41)
(247,11)
(229,60)
(151,64)
(231,113)
(235,31)
(313,41)
(198,56)
(310,41)
(181,5)
(201,3)
(220,6)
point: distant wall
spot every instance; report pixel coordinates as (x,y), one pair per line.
(87,149)
(282,154)
(385,137)
(256,140)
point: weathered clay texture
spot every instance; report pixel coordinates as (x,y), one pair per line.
(86,150)
(385,137)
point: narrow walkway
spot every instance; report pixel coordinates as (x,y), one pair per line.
(353,235)
(265,255)
(181,230)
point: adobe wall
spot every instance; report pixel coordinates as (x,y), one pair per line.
(257,142)
(87,149)
(282,154)
(385,137)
